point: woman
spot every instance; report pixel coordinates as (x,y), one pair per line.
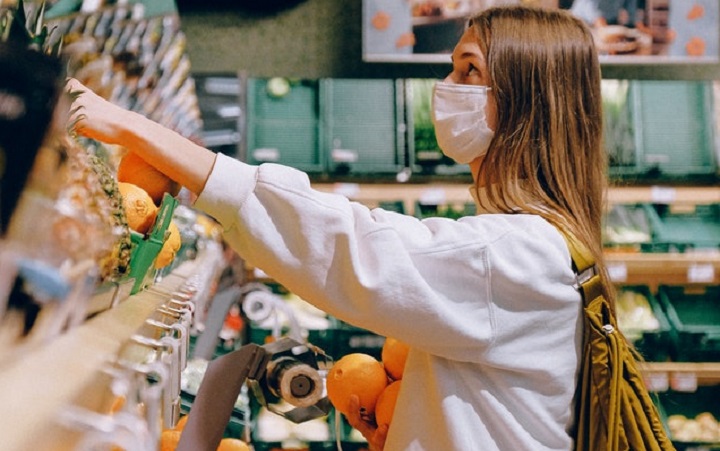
(487,303)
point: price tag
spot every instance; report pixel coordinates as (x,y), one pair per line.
(348,190)
(684,382)
(701,273)
(618,272)
(433,196)
(663,194)
(657,382)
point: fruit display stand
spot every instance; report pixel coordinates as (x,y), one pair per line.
(43,388)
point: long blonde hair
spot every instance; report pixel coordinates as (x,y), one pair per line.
(545,75)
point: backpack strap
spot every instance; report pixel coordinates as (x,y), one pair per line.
(589,282)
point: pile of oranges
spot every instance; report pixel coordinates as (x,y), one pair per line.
(142,188)
(376,383)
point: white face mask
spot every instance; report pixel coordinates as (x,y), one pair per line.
(461,128)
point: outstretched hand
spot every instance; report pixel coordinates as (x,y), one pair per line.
(375,435)
(91,115)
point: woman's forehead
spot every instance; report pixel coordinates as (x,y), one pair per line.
(467,46)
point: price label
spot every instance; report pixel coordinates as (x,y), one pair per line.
(657,382)
(684,382)
(663,194)
(348,190)
(433,196)
(618,272)
(701,273)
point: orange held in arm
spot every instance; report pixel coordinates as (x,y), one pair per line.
(385,406)
(394,354)
(232,444)
(356,374)
(180,425)
(169,439)
(139,207)
(170,247)
(133,169)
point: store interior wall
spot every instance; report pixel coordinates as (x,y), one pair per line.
(323,38)
(313,39)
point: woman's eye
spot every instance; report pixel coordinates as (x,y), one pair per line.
(472,71)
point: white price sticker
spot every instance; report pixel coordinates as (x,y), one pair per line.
(684,382)
(663,194)
(348,190)
(433,196)
(701,273)
(657,382)
(618,272)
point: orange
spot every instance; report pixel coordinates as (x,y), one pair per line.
(180,425)
(356,374)
(386,403)
(232,444)
(139,207)
(169,440)
(133,169)
(394,354)
(170,247)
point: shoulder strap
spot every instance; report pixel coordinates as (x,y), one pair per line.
(588,277)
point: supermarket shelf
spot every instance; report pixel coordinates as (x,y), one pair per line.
(37,387)
(659,268)
(684,373)
(459,192)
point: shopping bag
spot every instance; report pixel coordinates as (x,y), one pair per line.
(614,409)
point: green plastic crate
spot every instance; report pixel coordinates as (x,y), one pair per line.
(689,405)
(285,128)
(660,128)
(698,228)
(655,343)
(363,125)
(146,248)
(694,315)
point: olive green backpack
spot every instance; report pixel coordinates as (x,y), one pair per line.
(614,410)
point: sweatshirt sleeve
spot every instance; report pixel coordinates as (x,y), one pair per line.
(426,282)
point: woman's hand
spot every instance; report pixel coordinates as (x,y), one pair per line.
(374,435)
(94,117)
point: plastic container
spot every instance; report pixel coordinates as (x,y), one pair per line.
(146,248)
(676,408)
(693,227)
(644,323)
(694,315)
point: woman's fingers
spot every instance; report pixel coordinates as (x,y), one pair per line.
(92,116)
(361,421)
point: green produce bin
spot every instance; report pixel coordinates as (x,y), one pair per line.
(697,228)
(662,129)
(363,125)
(283,126)
(694,315)
(643,322)
(673,406)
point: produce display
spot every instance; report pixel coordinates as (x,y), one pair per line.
(704,428)
(635,315)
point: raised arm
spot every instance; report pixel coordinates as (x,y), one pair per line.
(172,154)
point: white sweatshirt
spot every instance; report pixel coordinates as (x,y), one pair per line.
(486,303)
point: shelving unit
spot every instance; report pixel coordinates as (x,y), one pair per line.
(37,388)
(651,269)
